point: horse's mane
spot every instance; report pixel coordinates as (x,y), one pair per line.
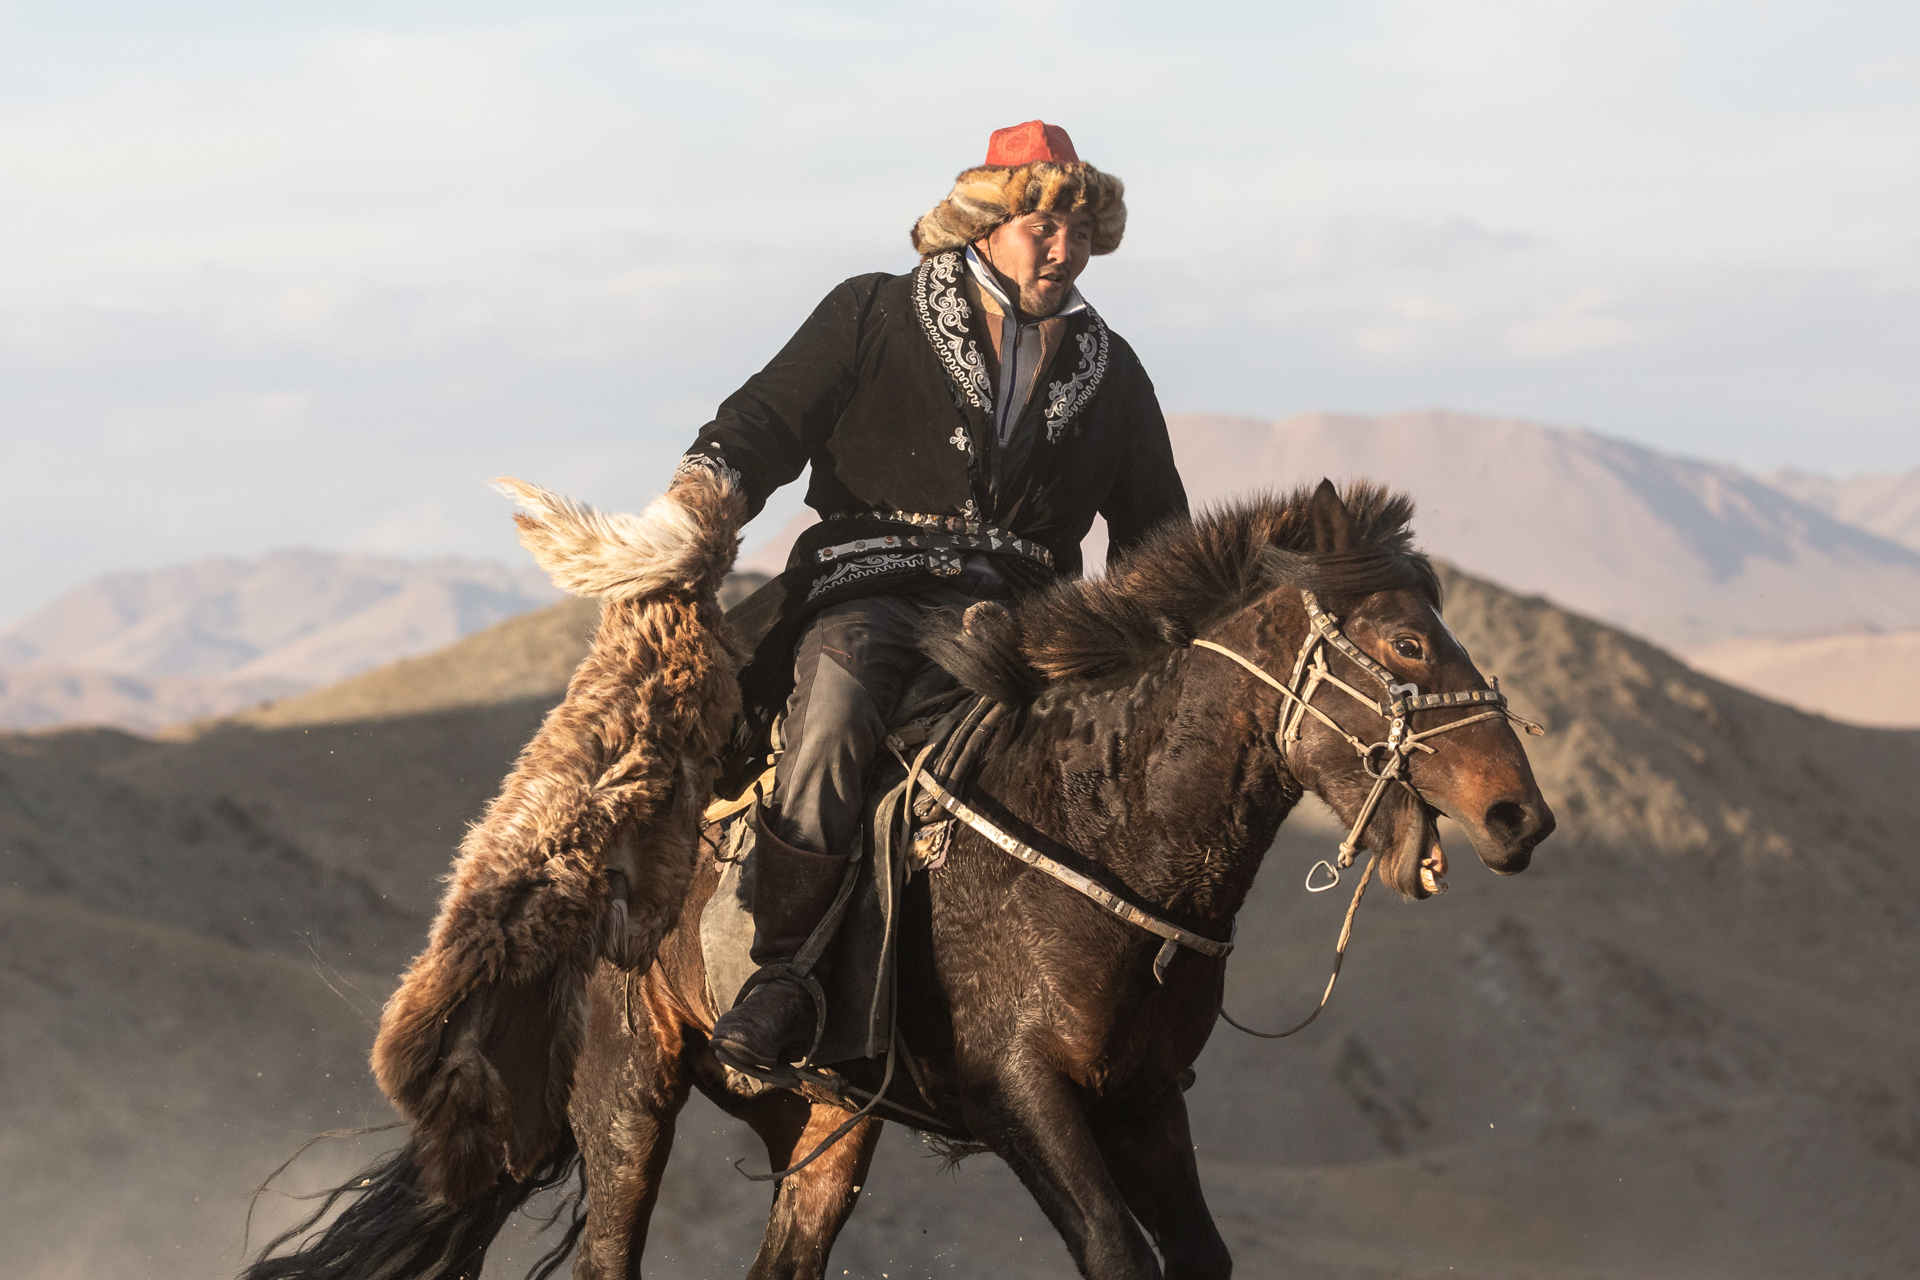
(1182,579)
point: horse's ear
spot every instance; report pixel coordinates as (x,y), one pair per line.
(1332,525)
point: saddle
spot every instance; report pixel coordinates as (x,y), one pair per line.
(944,727)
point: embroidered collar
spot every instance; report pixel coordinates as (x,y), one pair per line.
(941,306)
(943,311)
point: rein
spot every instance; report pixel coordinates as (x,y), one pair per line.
(1403,700)
(1175,936)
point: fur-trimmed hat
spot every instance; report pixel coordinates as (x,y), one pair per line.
(1030,168)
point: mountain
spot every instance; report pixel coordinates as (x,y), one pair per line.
(1679,1045)
(1886,505)
(144,649)
(304,615)
(1680,551)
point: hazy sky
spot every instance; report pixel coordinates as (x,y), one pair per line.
(305,273)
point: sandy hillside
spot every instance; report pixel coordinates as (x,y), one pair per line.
(527,657)
(1862,676)
(1681,1045)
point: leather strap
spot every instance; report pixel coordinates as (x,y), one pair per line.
(758,792)
(1175,936)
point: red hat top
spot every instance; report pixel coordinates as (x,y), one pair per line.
(1025,143)
(1006,186)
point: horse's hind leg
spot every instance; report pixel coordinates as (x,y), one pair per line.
(811,1206)
(631,1083)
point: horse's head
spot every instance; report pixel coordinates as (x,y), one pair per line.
(1474,772)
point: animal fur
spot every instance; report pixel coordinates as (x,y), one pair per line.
(589,846)
(984,197)
(1179,582)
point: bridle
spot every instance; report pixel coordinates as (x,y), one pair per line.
(1386,762)
(1394,755)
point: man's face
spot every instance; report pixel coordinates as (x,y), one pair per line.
(1039,256)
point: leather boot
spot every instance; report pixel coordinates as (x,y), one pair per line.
(792,890)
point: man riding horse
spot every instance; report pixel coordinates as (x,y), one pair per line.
(965,422)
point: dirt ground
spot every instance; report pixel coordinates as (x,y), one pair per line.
(1682,1045)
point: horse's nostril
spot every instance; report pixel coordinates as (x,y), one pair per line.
(1506,820)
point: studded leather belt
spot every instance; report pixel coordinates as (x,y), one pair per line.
(942,549)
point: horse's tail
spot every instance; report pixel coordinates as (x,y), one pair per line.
(390,1228)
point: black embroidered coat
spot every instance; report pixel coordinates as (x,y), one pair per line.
(884,390)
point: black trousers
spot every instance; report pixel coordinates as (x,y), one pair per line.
(851,666)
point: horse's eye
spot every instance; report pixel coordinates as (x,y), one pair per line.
(1408,649)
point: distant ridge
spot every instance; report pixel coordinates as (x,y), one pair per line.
(1680,551)
(1886,505)
(1866,677)
(529,656)
(43,695)
(139,650)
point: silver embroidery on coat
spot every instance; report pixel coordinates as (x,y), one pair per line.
(943,314)
(1065,399)
(865,567)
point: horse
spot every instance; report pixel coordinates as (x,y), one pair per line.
(1153,740)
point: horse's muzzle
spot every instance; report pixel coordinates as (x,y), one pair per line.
(1507,832)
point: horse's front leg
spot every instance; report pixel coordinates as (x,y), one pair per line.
(1149,1151)
(1032,1117)
(809,1207)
